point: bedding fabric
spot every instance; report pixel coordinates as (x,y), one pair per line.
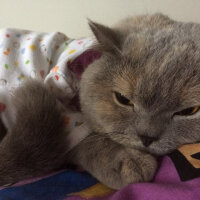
(74,185)
(178,176)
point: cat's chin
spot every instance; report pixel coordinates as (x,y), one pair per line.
(154,150)
(136,144)
(160,149)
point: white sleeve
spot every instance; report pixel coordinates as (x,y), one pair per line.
(61,80)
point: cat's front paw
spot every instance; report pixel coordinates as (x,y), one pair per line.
(130,166)
(111,163)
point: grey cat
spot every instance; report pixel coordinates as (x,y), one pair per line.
(141,99)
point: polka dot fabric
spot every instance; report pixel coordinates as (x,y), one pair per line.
(45,56)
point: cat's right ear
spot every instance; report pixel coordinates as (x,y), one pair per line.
(109,39)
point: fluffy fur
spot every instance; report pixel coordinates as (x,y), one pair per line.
(153,61)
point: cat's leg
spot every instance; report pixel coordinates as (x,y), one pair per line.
(113,164)
(36,143)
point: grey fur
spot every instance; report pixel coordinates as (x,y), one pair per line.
(152,60)
(159,71)
(32,147)
(155,63)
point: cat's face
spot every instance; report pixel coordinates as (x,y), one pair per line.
(144,92)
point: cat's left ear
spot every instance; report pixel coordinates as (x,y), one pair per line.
(108,38)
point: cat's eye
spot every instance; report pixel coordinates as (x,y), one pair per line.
(189,111)
(122,99)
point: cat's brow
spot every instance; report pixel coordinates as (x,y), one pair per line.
(124,86)
(190,96)
(189,103)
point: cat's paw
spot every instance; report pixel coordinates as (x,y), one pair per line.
(130,166)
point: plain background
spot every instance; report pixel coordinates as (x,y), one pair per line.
(70,16)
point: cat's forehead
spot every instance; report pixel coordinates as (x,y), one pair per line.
(167,72)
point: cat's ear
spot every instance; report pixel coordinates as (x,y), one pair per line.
(108,38)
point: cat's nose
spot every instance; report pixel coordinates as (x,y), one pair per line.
(146,140)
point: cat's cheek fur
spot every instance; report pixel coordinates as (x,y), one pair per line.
(188,130)
(112,117)
(180,133)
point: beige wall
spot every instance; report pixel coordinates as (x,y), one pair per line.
(69,16)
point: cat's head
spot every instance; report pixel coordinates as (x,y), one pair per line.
(144,92)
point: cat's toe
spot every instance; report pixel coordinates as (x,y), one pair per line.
(133,168)
(127,172)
